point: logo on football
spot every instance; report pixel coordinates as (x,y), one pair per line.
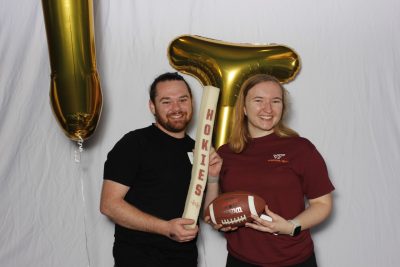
(235,208)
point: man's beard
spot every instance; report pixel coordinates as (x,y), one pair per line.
(173,125)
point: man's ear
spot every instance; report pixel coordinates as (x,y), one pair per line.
(152,107)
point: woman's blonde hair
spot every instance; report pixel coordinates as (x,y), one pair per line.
(240,135)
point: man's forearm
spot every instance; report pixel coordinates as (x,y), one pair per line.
(127,215)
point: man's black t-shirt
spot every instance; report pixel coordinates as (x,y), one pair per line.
(157,168)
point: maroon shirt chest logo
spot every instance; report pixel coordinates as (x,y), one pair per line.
(278,158)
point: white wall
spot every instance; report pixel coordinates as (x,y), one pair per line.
(345,100)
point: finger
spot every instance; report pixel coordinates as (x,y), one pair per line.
(188,238)
(224,229)
(269,212)
(267,227)
(217,226)
(185,236)
(214,159)
(259,223)
(256,219)
(190,232)
(258,227)
(266,208)
(185,221)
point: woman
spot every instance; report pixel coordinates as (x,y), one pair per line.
(267,158)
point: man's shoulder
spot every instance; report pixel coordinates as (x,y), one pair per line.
(135,136)
(139,132)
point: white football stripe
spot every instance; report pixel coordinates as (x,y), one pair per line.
(252,206)
(212,213)
(266,217)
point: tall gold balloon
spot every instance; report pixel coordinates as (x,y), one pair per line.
(227,66)
(75,91)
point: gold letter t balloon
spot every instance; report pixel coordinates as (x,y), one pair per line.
(227,66)
(75,91)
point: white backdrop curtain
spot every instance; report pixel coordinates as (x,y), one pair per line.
(345,100)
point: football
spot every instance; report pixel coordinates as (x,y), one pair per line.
(235,208)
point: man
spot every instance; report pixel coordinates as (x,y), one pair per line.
(146,180)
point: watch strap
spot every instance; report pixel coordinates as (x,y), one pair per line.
(296,227)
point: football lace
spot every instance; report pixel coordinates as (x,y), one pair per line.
(235,220)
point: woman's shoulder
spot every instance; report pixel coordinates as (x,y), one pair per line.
(224,149)
(300,141)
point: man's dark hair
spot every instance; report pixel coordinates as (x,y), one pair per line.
(168,76)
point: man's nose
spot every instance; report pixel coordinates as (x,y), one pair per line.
(176,105)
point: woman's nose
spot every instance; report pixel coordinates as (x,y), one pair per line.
(267,107)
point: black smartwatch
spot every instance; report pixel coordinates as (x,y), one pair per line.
(296,228)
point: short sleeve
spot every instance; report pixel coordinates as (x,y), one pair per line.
(316,181)
(122,161)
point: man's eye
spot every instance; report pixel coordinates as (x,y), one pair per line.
(165,102)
